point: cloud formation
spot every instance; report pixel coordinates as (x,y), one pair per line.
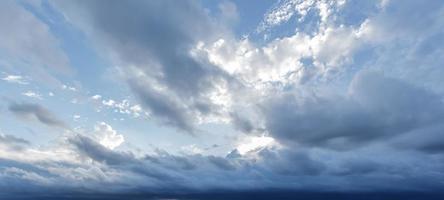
(376,107)
(156,57)
(30,111)
(36,54)
(343,96)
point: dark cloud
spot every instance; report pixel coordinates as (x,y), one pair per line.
(98,152)
(359,167)
(291,163)
(121,160)
(376,107)
(428,140)
(38,112)
(258,170)
(221,163)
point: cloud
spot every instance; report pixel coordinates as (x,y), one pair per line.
(12,139)
(37,53)
(96,97)
(327,122)
(83,162)
(123,107)
(427,140)
(159,67)
(15,79)
(32,94)
(376,107)
(291,163)
(36,112)
(98,152)
(10,142)
(108,137)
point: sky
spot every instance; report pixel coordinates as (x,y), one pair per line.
(206,99)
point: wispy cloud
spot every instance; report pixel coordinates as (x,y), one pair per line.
(15,79)
(36,112)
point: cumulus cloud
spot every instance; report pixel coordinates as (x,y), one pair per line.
(107,136)
(36,112)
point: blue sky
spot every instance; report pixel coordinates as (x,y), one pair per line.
(193,96)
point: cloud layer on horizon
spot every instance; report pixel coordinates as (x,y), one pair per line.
(351,100)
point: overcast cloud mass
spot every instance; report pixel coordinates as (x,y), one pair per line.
(224,99)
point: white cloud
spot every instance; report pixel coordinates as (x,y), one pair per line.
(107,136)
(66,87)
(289,9)
(76,117)
(253,143)
(96,97)
(16,79)
(108,102)
(123,107)
(32,94)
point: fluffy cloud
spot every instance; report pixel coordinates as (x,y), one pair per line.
(107,136)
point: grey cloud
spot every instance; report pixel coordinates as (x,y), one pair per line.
(13,143)
(271,167)
(171,161)
(38,112)
(291,163)
(12,139)
(156,38)
(242,123)
(359,167)
(97,152)
(121,160)
(376,107)
(167,109)
(37,53)
(221,163)
(428,140)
